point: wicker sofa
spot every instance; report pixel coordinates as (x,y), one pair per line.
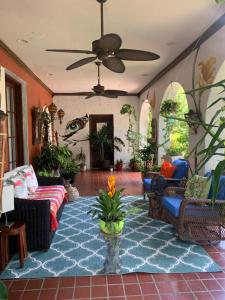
(195,219)
(36,215)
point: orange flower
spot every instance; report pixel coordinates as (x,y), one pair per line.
(111,186)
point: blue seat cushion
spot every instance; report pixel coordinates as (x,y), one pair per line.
(172,204)
(147,184)
(181,168)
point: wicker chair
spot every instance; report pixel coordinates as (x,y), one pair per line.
(195,219)
(156,183)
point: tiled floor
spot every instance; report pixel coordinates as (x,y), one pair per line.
(128,287)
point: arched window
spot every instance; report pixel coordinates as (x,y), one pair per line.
(145,120)
(173,134)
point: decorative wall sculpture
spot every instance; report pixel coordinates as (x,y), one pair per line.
(72,127)
(36,125)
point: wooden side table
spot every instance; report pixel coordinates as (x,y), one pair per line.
(18,229)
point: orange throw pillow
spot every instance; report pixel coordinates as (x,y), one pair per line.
(167,169)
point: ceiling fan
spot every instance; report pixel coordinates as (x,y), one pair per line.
(107,50)
(99,90)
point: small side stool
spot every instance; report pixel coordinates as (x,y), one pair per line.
(155,208)
(18,229)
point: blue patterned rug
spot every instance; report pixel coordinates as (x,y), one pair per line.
(78,248)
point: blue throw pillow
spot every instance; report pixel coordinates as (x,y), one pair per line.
(181,168)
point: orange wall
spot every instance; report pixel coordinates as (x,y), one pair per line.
(37,95)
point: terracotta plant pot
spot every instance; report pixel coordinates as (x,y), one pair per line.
(117,227)
(119,167)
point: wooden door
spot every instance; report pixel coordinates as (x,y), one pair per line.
(95,124)
(14,148)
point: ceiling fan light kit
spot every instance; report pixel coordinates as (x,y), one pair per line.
(107,50)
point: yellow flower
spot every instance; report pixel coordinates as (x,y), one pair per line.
(111,186)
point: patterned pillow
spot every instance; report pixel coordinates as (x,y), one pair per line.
(198,187)
(30,176)
(20,186)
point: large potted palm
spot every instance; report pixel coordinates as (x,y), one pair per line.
(103,142)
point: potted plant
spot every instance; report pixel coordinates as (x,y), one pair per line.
(81,158)
(109,209)
(102,142)
(69,170)
(51,159)
(136,164)
(119,165)
(146,154)
(169,107)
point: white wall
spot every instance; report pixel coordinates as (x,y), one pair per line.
(182,73)
(75,106)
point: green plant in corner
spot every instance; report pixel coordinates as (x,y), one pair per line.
(3,291)
(102,141)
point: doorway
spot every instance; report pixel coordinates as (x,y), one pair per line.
(96,122)
(14,149)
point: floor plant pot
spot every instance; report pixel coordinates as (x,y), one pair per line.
(117,227)
(119,167)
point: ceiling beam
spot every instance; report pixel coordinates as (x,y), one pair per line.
(87,93)
(197,43)
(24,66)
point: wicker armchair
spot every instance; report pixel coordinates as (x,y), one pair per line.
(195,219)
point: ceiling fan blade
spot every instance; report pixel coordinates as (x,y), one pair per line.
(115,92)
(70,51)
(139,55)
(111,42)
(114,64)
(109,95)
(81,62)
(90,96)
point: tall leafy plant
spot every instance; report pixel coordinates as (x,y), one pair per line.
(133,136)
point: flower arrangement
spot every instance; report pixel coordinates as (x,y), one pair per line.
(109,209)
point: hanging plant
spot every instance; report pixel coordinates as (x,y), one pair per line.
(169,107)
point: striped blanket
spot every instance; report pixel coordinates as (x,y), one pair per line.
(56,194)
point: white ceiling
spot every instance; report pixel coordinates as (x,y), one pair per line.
(73,24)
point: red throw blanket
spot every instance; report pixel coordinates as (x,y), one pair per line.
(56,194)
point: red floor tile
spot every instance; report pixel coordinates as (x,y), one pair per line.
(203,296)
(83,281)
(148,288)
(30,295)
(180,287)
(15,295)
(114,279)
(212,285)
(132,289)
(82,292)
(18,284)
(130,278)
(144,277)
(34,284)
(116,290)
(184,296)
(67,282)
(151,297)
(65,293)
(98,291)
(51,283)
(48,294)
(164,288)
(196,285)
(98,280)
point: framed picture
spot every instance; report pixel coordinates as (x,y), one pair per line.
(36,125)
